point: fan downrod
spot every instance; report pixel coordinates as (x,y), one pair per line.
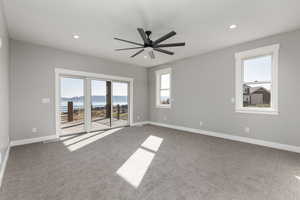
(148,33)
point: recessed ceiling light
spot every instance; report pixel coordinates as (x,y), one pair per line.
(75,36)
(233,26)
(145,57)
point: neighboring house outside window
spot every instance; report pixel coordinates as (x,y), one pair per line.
(256,96)
(163,88)
(257,80)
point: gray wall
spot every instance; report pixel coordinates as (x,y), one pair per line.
(4,87)
(202,88)
(32,78)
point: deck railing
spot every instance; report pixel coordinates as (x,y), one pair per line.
(98,113)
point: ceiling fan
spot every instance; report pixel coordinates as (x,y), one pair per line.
(151,45)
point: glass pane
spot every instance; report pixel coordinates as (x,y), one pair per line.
(72,105)
(258,69)
(165,96)
(165,81)
(98,105)
(257,95)
(120,104)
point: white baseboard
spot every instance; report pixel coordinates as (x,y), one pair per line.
(32,140)
(232,137)
(182,128)
(2,169)
(140,123)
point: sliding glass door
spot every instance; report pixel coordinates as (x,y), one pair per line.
(72,105)
(88,104)
(119,104)
(99,105)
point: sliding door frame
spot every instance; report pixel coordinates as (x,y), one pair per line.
(87,76)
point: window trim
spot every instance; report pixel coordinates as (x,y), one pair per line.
(239,57)
(159,73)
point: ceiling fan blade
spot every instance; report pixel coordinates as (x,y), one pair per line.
(171,45)
(137,53)
(163,38)
(143,35)
(164,51)
(129,42)
(128,48)
(151,54)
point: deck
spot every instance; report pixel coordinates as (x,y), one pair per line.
(78,127)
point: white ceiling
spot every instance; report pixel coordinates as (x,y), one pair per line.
(202,24)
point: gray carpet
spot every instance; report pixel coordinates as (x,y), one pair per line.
(185,166)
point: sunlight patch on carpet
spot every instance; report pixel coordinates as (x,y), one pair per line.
(152,142)
(86,139)
(136,166)
(134,169)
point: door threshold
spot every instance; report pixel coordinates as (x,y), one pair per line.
(85,132)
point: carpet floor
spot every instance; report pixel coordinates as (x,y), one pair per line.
(149,163)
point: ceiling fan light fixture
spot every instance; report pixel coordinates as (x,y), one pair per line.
(148,49)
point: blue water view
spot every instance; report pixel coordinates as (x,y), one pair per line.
(97,102)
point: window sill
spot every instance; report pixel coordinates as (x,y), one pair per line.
(257,111)
(163,106)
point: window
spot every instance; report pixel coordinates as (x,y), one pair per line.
(256,80)
(163,88)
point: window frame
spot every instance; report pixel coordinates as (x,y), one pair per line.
(272,50)
(159,73)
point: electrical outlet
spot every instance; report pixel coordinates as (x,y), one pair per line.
(34,130)
(247,129)
(45,100)
(201,123)
(165,118)
(138,117)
